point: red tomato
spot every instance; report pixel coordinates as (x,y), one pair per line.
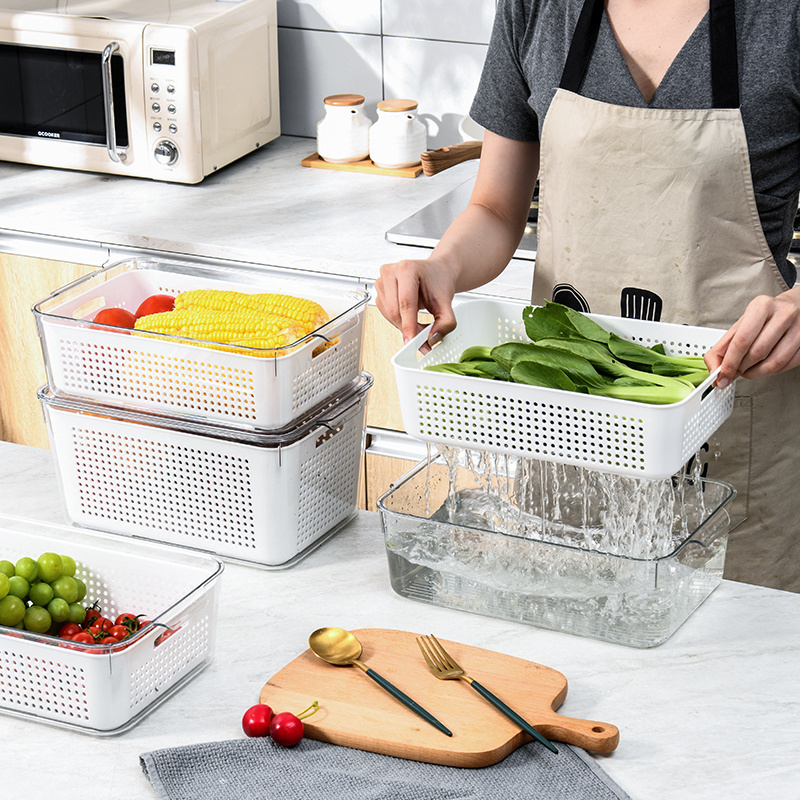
(130,621)
(155,304)
(69,629)
(100,625)
(108,640)
(83,636)
(286,729)
(120,631)
(256,719)
(91,615)
(118,317)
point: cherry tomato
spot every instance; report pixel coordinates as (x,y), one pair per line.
(101,624)
(69,629)
(286,729)
(84,636)
(120,631)
(91,615)
(256,719)
(130,621)
(108,640)
(155,304)
(118,317)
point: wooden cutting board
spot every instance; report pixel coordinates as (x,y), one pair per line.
(356,712)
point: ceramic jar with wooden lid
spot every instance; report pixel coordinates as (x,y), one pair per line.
(398,138)
(343,133)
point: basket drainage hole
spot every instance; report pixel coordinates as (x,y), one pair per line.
(597,729)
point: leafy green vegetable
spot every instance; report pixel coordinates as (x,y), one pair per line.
(570,352)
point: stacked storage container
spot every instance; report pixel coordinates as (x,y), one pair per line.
(249,454)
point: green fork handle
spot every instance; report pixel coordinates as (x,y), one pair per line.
(512,715)
(407,701)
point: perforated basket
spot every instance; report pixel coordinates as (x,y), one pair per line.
(168,374)
(261,498)
(106,689)
(606,434)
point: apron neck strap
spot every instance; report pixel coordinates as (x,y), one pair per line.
(722,34)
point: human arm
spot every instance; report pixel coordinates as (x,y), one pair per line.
(474,250)
(765,340)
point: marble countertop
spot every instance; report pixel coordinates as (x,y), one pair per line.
(265,208)
(710,714)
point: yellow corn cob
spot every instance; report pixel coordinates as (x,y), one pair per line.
(222,326)
(297,308)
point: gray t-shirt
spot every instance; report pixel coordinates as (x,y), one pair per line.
(529,46)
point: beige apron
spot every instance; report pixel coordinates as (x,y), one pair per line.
(650,213)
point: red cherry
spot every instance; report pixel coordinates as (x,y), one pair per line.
(256,720)
(286,729)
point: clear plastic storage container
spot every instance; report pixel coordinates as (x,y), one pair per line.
(106,689)
(168,374)
(442,553)
(602,433)
(265,498)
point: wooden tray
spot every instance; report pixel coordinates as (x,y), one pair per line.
(366,165)
(356,712)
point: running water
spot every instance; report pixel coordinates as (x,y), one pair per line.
(570,505)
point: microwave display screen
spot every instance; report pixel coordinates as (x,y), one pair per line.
(58,94)
(163,57)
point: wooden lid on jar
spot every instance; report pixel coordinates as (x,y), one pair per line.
(397,105)
(344,99)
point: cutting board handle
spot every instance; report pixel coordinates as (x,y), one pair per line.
(599,737)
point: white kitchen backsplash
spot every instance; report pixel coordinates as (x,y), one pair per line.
(429,50)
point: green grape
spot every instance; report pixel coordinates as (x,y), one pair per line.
(40,594)
(7,568)
(66,588)
(12,610)
(18,586)
(81,589)
(50,567)
(77,613)
(68,566)
(3,585)
(37,619)
(27,568)
(58,608)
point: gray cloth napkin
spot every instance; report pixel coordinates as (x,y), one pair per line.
(258,769)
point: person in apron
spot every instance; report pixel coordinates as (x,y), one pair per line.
(650,212)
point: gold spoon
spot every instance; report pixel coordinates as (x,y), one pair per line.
(341,648)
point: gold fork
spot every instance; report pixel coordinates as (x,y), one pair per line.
(442,665)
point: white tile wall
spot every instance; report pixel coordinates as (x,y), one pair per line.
(429,50)
(441,76)
(314,64)
(346,16)
(448,20)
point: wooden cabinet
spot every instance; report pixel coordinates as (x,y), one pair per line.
(23,282)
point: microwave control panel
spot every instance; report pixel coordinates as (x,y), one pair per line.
(171,112)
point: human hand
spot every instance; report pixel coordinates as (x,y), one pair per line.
(765,340)
(408,286)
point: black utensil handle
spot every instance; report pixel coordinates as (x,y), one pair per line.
(407,701)
(512,715)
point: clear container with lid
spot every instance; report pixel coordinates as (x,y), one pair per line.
(398,138)
(343,133)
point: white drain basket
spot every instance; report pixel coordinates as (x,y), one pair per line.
(101,689)
(601,433)
(168,374)
(261,498)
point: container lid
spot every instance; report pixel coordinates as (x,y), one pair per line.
(397,105)
(344,100)
(329,414)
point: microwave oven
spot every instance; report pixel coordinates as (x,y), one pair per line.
(165,89)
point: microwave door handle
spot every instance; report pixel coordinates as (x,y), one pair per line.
(108,103)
